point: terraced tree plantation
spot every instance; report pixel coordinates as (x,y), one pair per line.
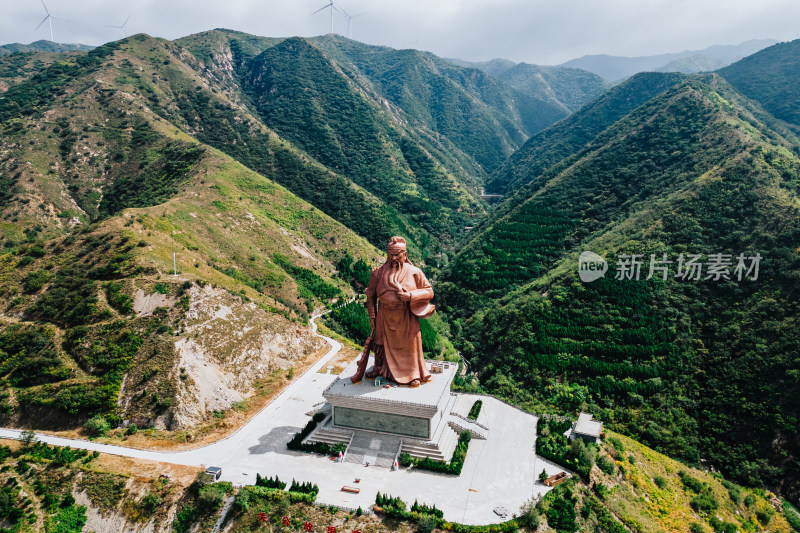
(672,361)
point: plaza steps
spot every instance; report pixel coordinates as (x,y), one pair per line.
(463,405)
(329,436)
(439,451)
(373,448)
(460,424)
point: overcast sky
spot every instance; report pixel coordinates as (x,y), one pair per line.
(534,31)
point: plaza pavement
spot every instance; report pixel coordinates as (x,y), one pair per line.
(498,472)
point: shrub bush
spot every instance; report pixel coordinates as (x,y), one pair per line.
(475,410)
(97,426)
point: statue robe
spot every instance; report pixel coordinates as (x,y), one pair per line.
(398,351)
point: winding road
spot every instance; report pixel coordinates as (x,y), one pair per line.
(498,472)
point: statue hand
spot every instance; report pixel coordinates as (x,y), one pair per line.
(372,325)
(404,296)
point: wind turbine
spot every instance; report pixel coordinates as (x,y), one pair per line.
(329,5)
(349,18)
(124,33)
(49,18)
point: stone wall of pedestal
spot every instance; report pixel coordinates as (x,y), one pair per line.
(397,410)
(409,426)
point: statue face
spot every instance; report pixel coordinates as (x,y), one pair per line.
(397,257)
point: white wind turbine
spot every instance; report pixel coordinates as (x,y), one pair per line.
(124,33)
(349,18)
(48,18)
(329,5)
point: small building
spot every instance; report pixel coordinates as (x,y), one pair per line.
(585,428)
(214,471)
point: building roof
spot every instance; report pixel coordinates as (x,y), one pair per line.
(586,426)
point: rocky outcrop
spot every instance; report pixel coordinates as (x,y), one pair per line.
(226,346)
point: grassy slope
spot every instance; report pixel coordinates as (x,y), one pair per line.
(646,494)
(109,152)
(691,369)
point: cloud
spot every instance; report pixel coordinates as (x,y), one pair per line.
(535,31)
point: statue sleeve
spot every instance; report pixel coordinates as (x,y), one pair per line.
(423,292)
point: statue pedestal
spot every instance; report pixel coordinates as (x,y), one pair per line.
(390,419)
(386,407)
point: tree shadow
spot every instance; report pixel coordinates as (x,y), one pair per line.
(275,441)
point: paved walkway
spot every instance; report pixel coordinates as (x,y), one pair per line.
(500,471)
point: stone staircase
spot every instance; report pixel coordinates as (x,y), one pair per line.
(460,424)
(326,433)
(439,450)
(373,448)
(462,406)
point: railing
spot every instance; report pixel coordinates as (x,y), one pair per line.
(469,420)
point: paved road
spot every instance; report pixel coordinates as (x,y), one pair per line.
(498,472)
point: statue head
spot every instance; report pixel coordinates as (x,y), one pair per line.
(396,253)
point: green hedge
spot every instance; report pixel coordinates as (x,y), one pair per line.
(396,508)
(296,444)
(475,410)
(271,494)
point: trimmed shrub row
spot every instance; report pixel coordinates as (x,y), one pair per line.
(296,443)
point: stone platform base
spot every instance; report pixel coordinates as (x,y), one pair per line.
(383,449)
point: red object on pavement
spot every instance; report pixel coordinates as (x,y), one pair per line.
(262,517)
(331,529)
(284,521)
(308,526)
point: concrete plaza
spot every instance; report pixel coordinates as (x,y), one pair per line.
(500,471)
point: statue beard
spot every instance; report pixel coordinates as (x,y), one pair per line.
(394,274)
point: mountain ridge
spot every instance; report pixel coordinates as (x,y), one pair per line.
(660,359)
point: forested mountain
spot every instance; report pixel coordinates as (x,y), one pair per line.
(42,46)
(700,369)
(207,128)
(250,164)
(617,68)
(770,78)
(567,88)
(572,88)
(415,131)
(572,133)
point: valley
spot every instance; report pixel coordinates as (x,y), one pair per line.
(174,213)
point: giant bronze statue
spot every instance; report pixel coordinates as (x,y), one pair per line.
(398,295)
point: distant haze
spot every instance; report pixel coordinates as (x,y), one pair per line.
(542,32)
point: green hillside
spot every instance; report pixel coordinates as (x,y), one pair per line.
(770,78)
(634,488)
(482,117)
(701,370)
(101,198)
(571,88)
(43,46)
(566,137)
(383,176)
